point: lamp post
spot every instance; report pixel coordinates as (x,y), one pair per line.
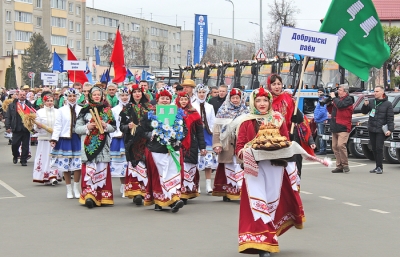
(259,24)
(261,41)
(233,30)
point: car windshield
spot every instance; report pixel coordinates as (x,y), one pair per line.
(355,98)
(391,98)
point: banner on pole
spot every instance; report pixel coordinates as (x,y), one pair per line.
(189,58)
(75,65)
(200,37)
(308,43)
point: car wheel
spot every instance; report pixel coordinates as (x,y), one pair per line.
(356,150)
(398,153)
(389,153)
(367,152)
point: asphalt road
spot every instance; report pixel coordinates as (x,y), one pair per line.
(355,214)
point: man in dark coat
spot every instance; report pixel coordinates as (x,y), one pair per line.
(217,101)
(380,124)
(14,124)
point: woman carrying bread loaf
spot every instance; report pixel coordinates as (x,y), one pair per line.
(229,174)
(270,203)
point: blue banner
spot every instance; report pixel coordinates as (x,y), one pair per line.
(58,63)
(189,58)
(200,37)
(97,54)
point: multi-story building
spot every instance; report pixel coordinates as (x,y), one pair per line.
(71,23)
(59,21)
(212,40)
(148,43)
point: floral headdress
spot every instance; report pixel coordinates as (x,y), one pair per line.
(47,97)
(137,87)
(201,87)
(262,92)
(122,90)
(71,91)
(165,91)
(235,91)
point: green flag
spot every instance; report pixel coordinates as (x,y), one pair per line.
(361,42)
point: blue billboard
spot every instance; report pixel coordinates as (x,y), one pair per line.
(200,37)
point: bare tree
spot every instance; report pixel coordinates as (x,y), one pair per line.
(221,52)
(282,13)
(162,47)
(131,48)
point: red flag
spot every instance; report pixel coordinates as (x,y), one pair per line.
(117,57)
(75,76)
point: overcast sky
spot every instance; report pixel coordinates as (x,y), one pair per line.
(181,12)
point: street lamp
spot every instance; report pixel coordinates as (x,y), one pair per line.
(261,36)
(233,30)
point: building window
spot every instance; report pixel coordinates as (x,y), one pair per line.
(71,44)
(135,27)
(100,20)
(8,16)
(58,4)
(78,27)
(39,21)
(87,50)
(127,26)
(58,22)
(87,35)
(178,48)
(78,10)
(70,7)
(8,36)
(121,26)
(24,1)
(78,45)
(174,49)
(38,3)
(23,36)
(58,40)
(178,35)
(71,25)
(8,53)
(87,19)
(178,59)
(173,36)
(23,17)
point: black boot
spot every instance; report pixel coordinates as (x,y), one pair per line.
(184,201)
(226,199)
(89,203)
(138,200)
(177,205)
(157,207)
(264,254)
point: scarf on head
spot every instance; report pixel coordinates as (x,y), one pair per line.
(95,142)
(191,119)
(226,116)
(201,87)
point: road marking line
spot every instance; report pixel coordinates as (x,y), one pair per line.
(12,190)
(352,204)
(379,211)
(8,197)
(306,193)
(327,198)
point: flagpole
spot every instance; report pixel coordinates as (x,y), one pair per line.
(300,84)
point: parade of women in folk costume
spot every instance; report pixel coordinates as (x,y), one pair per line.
(135,140)
(270,203)
(191,145)
(94,124)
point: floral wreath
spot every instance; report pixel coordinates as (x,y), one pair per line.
(72,91)
(201,87)
(165,132)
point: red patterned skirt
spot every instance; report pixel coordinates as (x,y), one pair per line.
(99,189)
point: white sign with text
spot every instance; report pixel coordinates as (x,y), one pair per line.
(308,43)
(74,65)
